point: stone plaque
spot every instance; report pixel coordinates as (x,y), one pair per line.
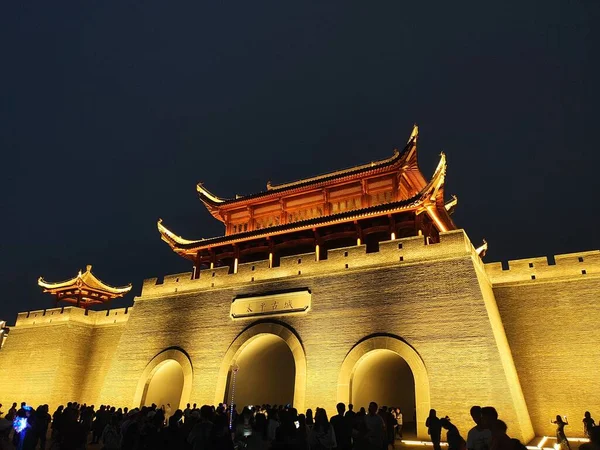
(271,304)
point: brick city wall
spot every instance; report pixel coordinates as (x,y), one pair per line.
(431,296)
(58,355)
(439,298)
(551,314)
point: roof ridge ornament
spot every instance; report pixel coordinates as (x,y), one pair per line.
(439,177)
(482,249)
(450,205)
(414,134)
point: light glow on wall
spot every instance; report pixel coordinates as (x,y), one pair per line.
(424,443)
(384,377)
(266,373)
(166,385)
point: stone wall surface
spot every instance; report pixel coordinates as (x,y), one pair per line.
(58,355)
(552,325)
(432,300)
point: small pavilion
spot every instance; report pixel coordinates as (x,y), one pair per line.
(84,290)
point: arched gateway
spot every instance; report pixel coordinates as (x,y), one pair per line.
(267,334)
(385,344)
(168,376)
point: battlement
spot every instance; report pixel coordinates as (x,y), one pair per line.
(531,270)
(53,316)
(405,251)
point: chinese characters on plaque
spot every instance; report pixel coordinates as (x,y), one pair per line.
(273,304)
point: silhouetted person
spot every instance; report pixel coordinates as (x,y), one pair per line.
(309,419)
(42,420)
(5,428)
(588,424)
(272,425)
(322,436)
(243,429)
(561,437)
(12,412)
(99,423)
(131,430)
(390,425)
(111,437)
(302,434)
(342,426)
(375,427)
(453,437)
(500,440)
(434,429)
(187,411)
(594,443)
(56,419)
(351,414)
(478,438)
(221,434)
(201,436)
(72,433)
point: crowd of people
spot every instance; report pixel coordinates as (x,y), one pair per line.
(263,427)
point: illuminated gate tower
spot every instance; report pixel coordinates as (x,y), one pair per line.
(367,204)
(315,286)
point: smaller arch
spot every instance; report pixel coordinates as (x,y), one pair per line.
(402,349)
(254,332)
(174,354)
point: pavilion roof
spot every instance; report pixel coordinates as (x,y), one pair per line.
(406,157)
(429,199)
(86,283)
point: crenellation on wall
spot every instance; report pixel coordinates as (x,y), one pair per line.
(531,270)
(177,277)
(253,271)
(409,250)
(55,316)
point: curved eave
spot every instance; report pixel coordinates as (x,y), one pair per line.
(410,146)
(338,174)
(58,285)
(94,283)
(433,192)
(87,281)
(172,239)
(211,201)
(190,250)
(109,294)
(84,302)
(399,159)
(434,188)
(425,201)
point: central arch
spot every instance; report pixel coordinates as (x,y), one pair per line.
(265,333)
(369,347)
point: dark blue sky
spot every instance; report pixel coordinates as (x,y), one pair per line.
(111,112)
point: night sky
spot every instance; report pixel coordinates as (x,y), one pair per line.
(111,112)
